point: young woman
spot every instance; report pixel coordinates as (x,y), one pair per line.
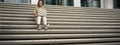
(40,13)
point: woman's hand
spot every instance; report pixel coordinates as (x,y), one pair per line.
(35,15)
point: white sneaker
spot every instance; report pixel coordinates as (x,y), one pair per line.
(39,27)
(45,27)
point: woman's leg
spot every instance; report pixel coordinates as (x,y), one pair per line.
(45,22)
(38,22)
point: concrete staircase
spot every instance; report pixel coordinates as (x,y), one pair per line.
(68,26)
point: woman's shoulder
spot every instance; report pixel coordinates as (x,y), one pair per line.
(36,7)
(44,8)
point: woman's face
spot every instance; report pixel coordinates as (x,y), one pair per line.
(40,4)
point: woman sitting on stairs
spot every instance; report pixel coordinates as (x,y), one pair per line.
(40,14)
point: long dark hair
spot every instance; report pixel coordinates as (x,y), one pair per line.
(39,2)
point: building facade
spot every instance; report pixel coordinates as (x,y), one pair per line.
(108,4)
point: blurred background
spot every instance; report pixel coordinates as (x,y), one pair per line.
(108,4)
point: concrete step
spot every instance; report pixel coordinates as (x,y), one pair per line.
(8,3)
(17,5)
(68,12)
(31,22)
(21,10)
(112,43)
(101,21)
(59,31)
(8,7)
(55,19)
(58,36)
(58,41)
(63,16)
(57,10)
(30,13)
(59,27)
(60,16)
(61,11)
(58,23)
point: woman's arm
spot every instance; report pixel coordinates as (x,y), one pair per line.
(35,15)
(35,12)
